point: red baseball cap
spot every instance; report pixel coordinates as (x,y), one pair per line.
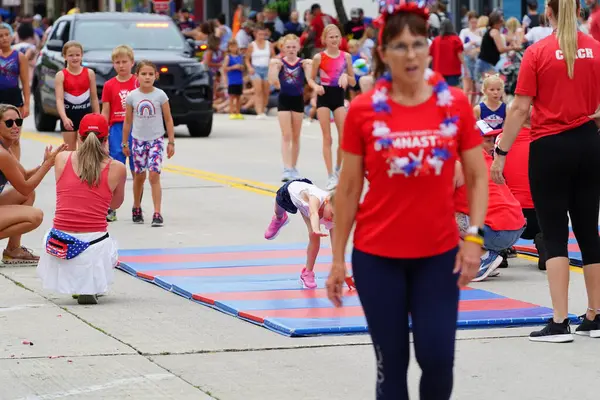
(94,123)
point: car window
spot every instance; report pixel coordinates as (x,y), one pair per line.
(58,31)
(106,35)
(64,36)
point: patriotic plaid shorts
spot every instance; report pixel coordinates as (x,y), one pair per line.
(147,155)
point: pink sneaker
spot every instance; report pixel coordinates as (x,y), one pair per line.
(275,226)
(308,279)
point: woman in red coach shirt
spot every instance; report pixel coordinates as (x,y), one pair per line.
(560,75)
(405,136)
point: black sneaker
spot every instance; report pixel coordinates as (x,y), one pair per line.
(111,216)
(589,328)
(511,252)
(553,333)
(504,263)
(538,241)
(137,216)
(157,220)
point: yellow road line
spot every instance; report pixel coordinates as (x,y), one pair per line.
(232,181)
(535,259)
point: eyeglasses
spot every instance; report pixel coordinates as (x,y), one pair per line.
(10,122)
(419,47)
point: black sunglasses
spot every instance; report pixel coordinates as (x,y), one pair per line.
(10,122)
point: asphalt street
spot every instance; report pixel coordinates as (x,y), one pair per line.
(142,342)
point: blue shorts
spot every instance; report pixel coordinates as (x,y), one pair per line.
(115,139)
(261,73)
(283,199)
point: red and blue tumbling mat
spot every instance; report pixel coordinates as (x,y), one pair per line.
(260,284)
(526,247)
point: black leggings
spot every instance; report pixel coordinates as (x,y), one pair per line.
(390,289)
(533,227)
(564,174)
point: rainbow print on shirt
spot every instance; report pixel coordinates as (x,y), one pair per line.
(145,108)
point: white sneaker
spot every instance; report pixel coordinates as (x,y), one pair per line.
(332,182)
(261,116)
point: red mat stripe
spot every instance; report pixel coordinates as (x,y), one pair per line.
(232,256)
(572,248)
(210,298)
(234,271)
(357,311)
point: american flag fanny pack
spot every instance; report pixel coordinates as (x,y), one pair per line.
(64,246)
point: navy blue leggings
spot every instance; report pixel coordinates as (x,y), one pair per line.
(390,289)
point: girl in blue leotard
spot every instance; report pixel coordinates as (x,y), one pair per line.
(288,73)
(492,109)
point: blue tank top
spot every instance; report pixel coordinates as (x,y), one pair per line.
(9,71)
(291,78)
(495,119)
(236,76)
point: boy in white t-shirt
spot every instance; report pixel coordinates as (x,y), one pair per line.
(316,209)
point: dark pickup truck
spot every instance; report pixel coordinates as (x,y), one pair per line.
(153,37)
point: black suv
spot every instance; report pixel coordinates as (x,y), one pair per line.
(153,37)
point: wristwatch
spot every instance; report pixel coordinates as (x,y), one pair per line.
(124,145)
(500,152)
(475,231)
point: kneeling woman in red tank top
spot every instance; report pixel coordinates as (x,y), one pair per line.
(80,256)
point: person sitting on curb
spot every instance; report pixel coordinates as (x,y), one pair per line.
(17,214)
(504,220)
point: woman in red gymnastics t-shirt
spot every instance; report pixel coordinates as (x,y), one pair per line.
(560,75)
(405,137)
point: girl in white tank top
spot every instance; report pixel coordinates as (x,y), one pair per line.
(257,61)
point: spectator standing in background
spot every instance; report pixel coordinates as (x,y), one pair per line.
(355,28)
(448,54)
(532,18)
(244,36)
(294,26)
(272,17)
(223,32)
(185,23)
(318,23)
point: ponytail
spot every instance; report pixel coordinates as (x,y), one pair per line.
(90,155)
(566,32)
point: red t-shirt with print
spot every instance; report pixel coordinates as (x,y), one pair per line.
(445,51)
(504,210)
(114,93)
(516,168)
(560,103)
(403,215)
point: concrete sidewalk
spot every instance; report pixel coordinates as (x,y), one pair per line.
(142,342)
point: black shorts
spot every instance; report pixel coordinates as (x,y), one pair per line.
(290,103)
(283,199)
(12,96)
(75,117)
(333,98)
(235,90)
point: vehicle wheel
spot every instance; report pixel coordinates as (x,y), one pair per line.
(43,122)
(201,128)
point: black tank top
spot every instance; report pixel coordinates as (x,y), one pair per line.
(489,52)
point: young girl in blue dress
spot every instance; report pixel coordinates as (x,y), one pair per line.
(233,65)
